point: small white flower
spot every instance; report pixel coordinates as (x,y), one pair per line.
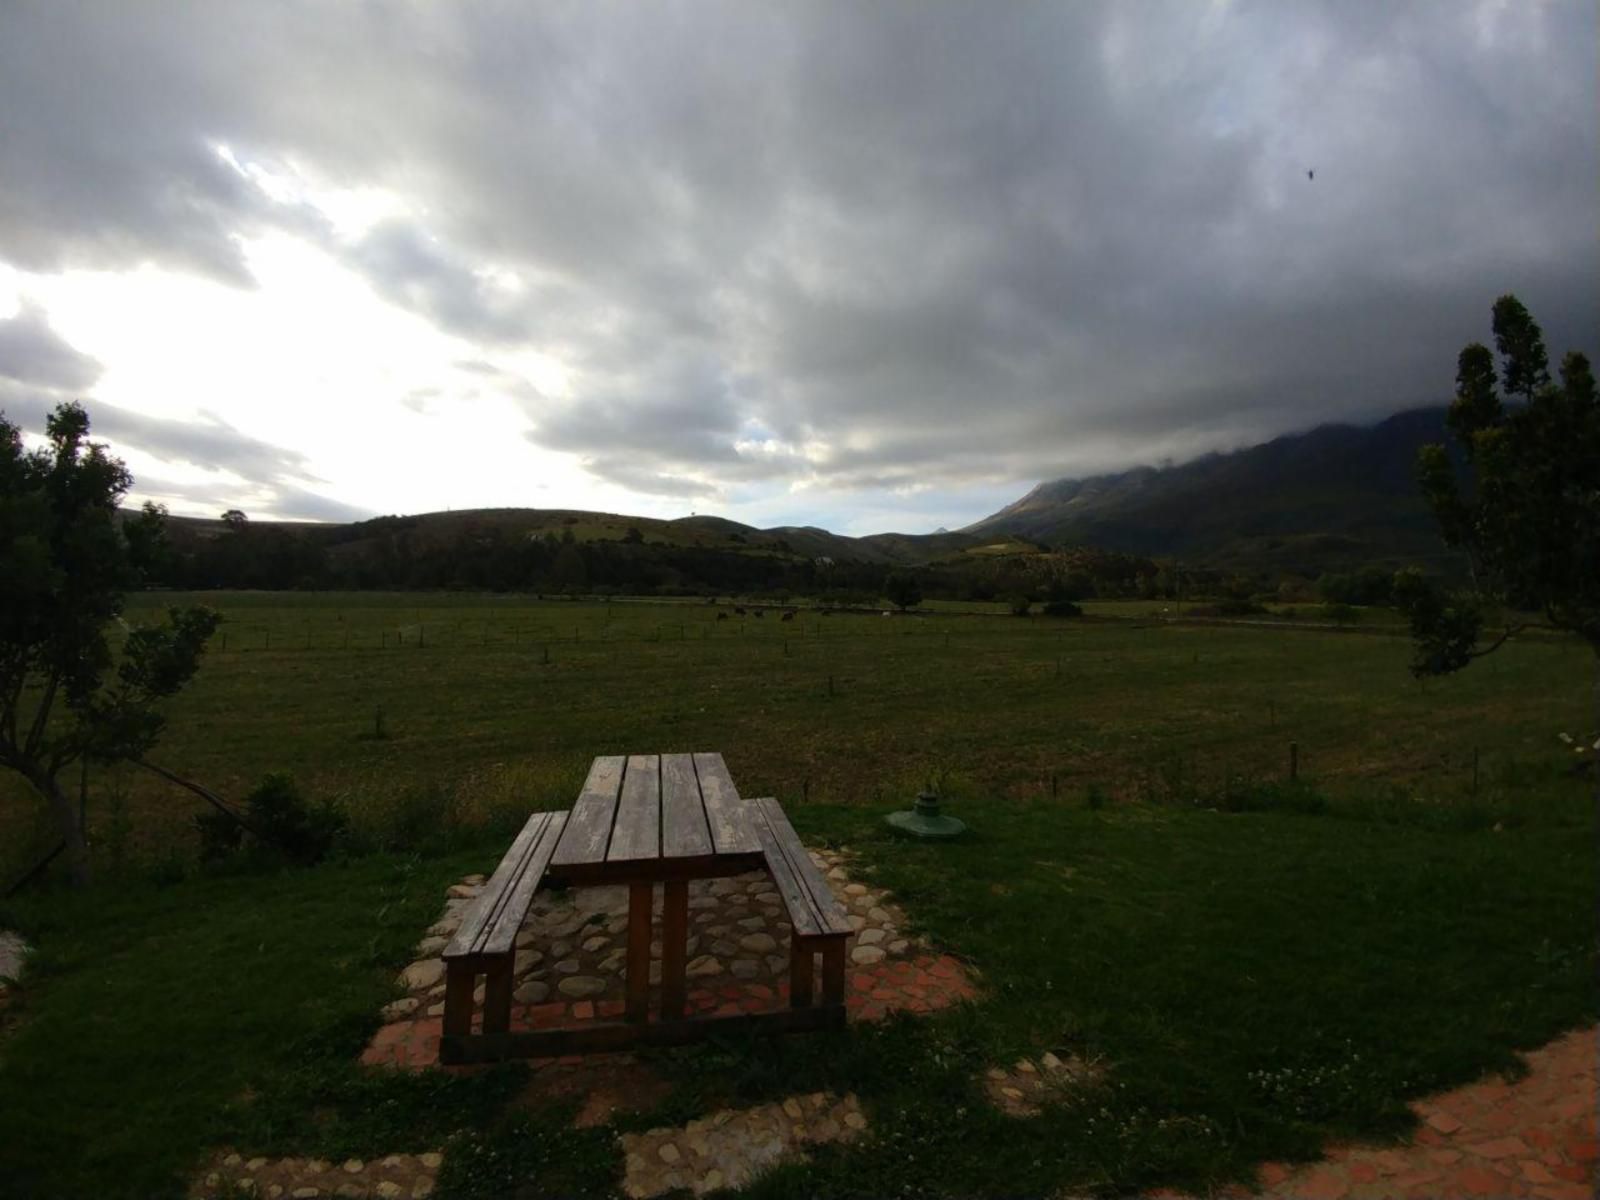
(1565,737)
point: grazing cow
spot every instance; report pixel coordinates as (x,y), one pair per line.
(755,612)
(738,610)
(788,616)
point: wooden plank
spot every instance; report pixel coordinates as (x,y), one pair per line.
(833,971)
(588,832)
(491,900)
(596,1037)
(674,948)
(497,996)
(637,832)
(829,914)
(726,815)
(683,817)
(641,898)
(460,981)
(802,958)
(500,937)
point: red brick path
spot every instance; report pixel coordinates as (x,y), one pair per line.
(922,984)
(1491,1139)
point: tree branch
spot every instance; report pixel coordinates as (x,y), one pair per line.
(41,718)
(205,794)
(1506,635)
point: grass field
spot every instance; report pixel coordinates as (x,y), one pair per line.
(503,701)
(1259,966)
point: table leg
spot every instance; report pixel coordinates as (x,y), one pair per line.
(674,947)
(801,960)
(459,983)
(640,899)
(497,995)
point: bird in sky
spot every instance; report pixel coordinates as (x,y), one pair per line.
(1311,174)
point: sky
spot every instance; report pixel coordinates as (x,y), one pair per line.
(865,266)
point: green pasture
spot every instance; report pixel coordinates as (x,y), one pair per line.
(1258,965)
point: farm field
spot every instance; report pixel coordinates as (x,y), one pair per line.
(502,701)
(1258,968)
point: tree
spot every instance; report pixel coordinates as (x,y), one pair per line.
(1528,516)
(903,590)
(66,562)
(235,519)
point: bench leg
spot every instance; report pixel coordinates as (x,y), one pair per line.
(800,964)
(674,948)
(640,899)
(833,972)
(459,982)
(497,995)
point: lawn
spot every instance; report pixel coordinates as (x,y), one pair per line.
(1258,966)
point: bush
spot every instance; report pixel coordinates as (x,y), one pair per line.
(1062,608)
(1021,606)
(280,821)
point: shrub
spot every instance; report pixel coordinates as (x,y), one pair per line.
(1062,608)
(279,821)
(1021,606)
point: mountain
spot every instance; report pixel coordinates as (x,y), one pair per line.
(1336,497)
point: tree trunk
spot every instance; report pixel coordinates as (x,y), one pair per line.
(71,830)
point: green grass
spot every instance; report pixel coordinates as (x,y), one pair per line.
(1259,966)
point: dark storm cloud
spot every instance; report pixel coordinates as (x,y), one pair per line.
(864,246)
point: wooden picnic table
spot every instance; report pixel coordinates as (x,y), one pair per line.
(641,820)
(656,818)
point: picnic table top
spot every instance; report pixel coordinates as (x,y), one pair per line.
(665,809)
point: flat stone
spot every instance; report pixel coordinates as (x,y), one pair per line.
(354,1166)
(255,1164)
(403,1007)
(866,955)
(422,974)
(702,967)
(759,943)
(306,1193)
(349,1191)
(436,1010)
(724,946)
(1051,1062)
(531,992)
(462,891)
(857,922)
(880,915)
(898,946)
(578,986)
(422,1189)
(526,938)
(388,1189)
(722,887)
(1026,1067)
(855,1120)
(597,942)
(431,945)
(791,1106)
(717,931)
(753,923)
(567,966)
(433,1160)
(560,949)
(869,937)
(777,964)
(745,968)
(612,963)
(699,902)
(855,889)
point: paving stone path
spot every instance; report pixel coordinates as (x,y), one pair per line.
(1023,1089)
(1487,1141)
(572,947)
(395,1177)
(730,1148)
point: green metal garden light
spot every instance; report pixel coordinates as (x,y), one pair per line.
(924,819)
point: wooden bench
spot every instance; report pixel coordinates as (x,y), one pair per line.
(486,943)
(816,917)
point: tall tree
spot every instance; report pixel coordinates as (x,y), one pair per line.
(1527,516)
(66,563)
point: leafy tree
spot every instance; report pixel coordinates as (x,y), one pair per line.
(903,590)
(235,519)
(66,561)
(1528,517)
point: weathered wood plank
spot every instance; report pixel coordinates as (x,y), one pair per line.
(726,815)
(674,948)
(828,914)
(637,831)
(641,898)
(500,937)
(460,981)
(683,816)
(588,832)
(491,900)
(550,1043)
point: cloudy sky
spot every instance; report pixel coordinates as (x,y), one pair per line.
(868,266)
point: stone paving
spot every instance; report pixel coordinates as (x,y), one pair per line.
(1023,1089)
(730,1148)
(572,948)
(395,1177)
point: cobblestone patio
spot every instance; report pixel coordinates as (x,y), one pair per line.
(571,951)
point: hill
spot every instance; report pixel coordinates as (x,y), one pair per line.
(1333,498)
